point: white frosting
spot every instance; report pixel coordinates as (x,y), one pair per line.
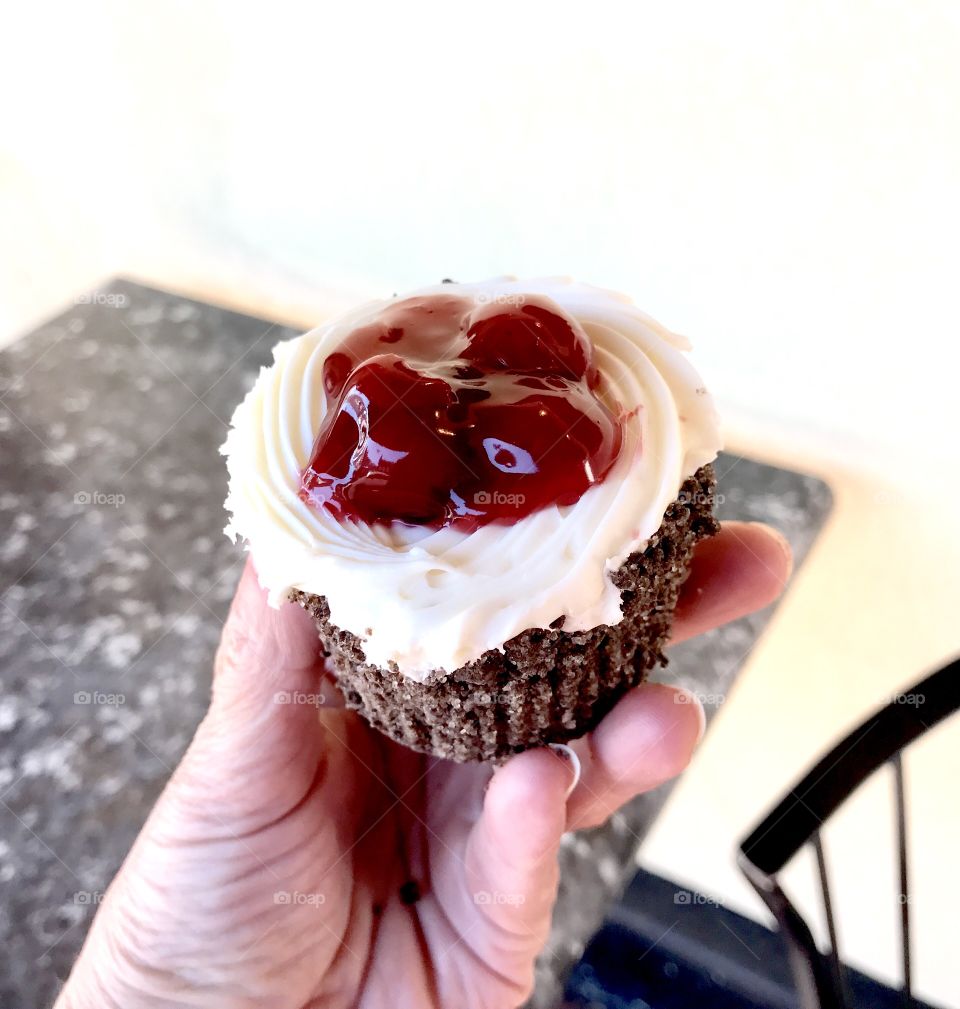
(428,600)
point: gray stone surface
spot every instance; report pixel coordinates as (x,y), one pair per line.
(114,581)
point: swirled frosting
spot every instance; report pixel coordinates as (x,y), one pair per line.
(425,600)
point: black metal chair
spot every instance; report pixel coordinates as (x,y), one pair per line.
(799,816)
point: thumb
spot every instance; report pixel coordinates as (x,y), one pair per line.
(269,682)
(264,651)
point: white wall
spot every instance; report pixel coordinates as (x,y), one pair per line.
(778,180)
(781,181)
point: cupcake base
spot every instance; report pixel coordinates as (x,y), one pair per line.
(547,685)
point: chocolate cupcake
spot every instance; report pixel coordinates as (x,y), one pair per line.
(486,495)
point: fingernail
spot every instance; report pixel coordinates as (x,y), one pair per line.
(684,696)
(568,755)
(781,542)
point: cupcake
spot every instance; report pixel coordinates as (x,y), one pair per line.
(486,496)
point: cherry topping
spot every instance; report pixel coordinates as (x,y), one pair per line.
(526,338)
(443,412)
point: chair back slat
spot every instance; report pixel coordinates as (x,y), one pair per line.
(835,964)
(899,789)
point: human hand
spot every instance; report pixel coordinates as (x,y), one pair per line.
(297,858)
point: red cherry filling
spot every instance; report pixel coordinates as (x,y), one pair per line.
(526,339)
(445,413)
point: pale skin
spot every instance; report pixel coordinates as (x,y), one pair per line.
(272,870)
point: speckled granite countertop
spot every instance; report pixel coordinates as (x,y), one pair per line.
(114,581)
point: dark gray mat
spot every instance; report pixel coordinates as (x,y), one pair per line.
(115,578)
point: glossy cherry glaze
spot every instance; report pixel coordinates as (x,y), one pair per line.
(448,412)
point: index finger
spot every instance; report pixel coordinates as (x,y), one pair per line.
(738,571)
